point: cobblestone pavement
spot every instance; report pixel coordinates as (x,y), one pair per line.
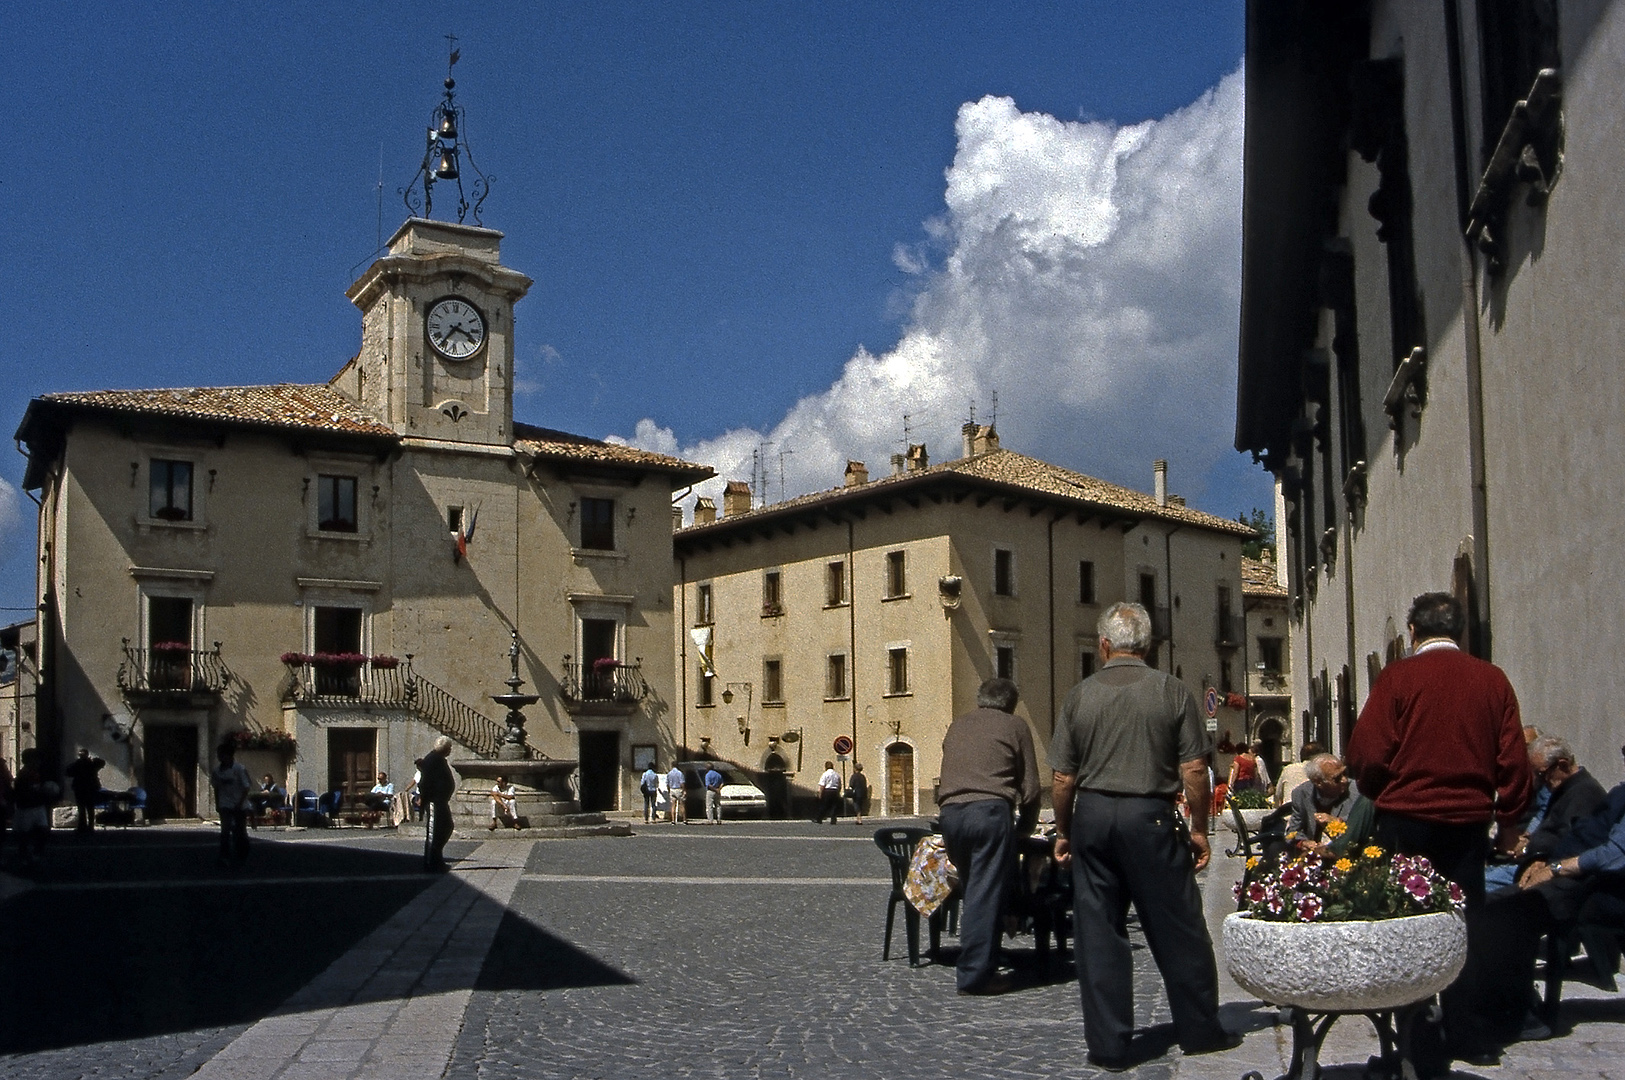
(749,950)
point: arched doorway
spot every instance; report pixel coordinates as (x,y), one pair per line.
(1272,733)
(775,784)
(899,779)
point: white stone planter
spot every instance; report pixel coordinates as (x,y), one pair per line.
(1345,966)
(1253,819)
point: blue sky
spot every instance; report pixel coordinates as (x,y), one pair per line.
(747,222)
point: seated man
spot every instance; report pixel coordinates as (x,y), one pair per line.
(1570,794)
(1327,796)
(381,795)
(270,796)
(504,805)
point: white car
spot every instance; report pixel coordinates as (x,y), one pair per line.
(740,797)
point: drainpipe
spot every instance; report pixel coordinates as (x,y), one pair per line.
(1470,336)
(1168,570)
(852,636)
(1053,519)
(682,637)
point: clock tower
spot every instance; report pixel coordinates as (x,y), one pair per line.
(436,356)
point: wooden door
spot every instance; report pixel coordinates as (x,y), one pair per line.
(899,779)
(170,775)
(352,761)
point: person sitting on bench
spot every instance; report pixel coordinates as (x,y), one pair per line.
(504,805)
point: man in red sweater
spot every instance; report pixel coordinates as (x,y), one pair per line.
(1439,747)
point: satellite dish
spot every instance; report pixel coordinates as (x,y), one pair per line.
(790,737)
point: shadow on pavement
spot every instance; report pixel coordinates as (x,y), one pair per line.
(133,935)
(525,957)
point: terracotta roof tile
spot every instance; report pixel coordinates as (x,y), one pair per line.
(1008,469)
(281,405)
(561,445)
(1258,578)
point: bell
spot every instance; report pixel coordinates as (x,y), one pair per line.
(448,126)
(447,169)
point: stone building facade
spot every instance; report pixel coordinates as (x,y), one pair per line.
(1430,219)
(346,565)
(874,610)
(1268,661)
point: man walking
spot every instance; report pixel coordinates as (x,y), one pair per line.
(713,795)
(1439,747)
(989,772)
(85,777)
(436,783)
(1128,739)
(829,794)
(649,783)
(232,786)
(675,785)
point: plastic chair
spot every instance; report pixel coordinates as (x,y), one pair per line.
(306,807)
(328,805)
(898,844)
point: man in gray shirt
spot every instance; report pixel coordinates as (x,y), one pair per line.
(1129,738)
(989,770)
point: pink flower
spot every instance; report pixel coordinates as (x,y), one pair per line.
(1417,886)
(1275,902)
(1456,895)
(1309,908)
(1256,892)
(1235,892)
(1292,876)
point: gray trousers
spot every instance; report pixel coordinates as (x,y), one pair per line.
(981,842)
(1129,849)
(435,834)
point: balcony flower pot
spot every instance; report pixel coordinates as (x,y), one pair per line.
(1358,966)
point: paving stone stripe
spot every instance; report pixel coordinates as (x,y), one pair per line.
(219,883)
(658,879)
(402,991)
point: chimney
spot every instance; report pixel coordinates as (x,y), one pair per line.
(1159,469)
(676,517)
(705,511)
(897,461)
(980,439)
(917,457)
(856,473)
(1176,500)
(736,498)
(967,439)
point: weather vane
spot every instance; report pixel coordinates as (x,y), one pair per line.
(444,155)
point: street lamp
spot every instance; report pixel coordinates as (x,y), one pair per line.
(728,699)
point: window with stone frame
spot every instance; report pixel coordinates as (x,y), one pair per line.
(170,490)
(835,677)
(598,524)
(335,503)
(897,670)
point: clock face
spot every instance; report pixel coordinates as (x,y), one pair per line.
(456,328)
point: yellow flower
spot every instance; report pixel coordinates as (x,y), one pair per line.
(1252,863)
(1343,865)
(1336,828)
(1372,852)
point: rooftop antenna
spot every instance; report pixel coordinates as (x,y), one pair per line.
(444,154)
(783,452)
(993,421)
(380,198)
(908,433)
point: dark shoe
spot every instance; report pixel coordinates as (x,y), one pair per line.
(1534,1029)
(998,984)
(1229,1040)
(1110,1064)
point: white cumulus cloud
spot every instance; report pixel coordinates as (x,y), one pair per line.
(11,510)
(1086,272)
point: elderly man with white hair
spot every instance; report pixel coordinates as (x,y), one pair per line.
(436,783)
(1328,795)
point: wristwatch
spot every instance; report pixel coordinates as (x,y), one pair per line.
(1556,867)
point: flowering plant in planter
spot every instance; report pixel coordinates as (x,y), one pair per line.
(384,663)
(294,659)
(605,663)
(339,659)
(171,647)
(1252,799)
(264,740)
(1366,885)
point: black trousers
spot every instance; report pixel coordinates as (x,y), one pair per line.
(436,834)
(233,835)
(981,841)
(87,813)
(829,802)
(1457,852)
(1130,849)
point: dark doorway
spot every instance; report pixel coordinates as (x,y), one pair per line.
(775,784)
(352,761)
(169,642)
(600,770)
(338,633)
(171,770)
(1270,733)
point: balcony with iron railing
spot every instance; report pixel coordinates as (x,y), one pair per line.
(350,681)
(610,686)
(172,675)
(1263,682)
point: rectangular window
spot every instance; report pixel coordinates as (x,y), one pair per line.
(1004,661)
(335,503)
(705,689)
(1226,682)
(835,676)
(772,681)
(1148,592)
(704,611)
(598,524)
(1086,663)
(169,642)
(896,573)
(454,519)
(1271,654)
(897,670)
(835,584)
(772,592)
(171,490)
(1086,582)
(1004,572)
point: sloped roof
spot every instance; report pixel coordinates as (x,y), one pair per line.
(562,446)
(1258,579)
(1008,471)
(280,405)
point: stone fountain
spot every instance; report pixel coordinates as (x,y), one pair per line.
(543,798)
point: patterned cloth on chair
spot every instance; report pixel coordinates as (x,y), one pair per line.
(932,879)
